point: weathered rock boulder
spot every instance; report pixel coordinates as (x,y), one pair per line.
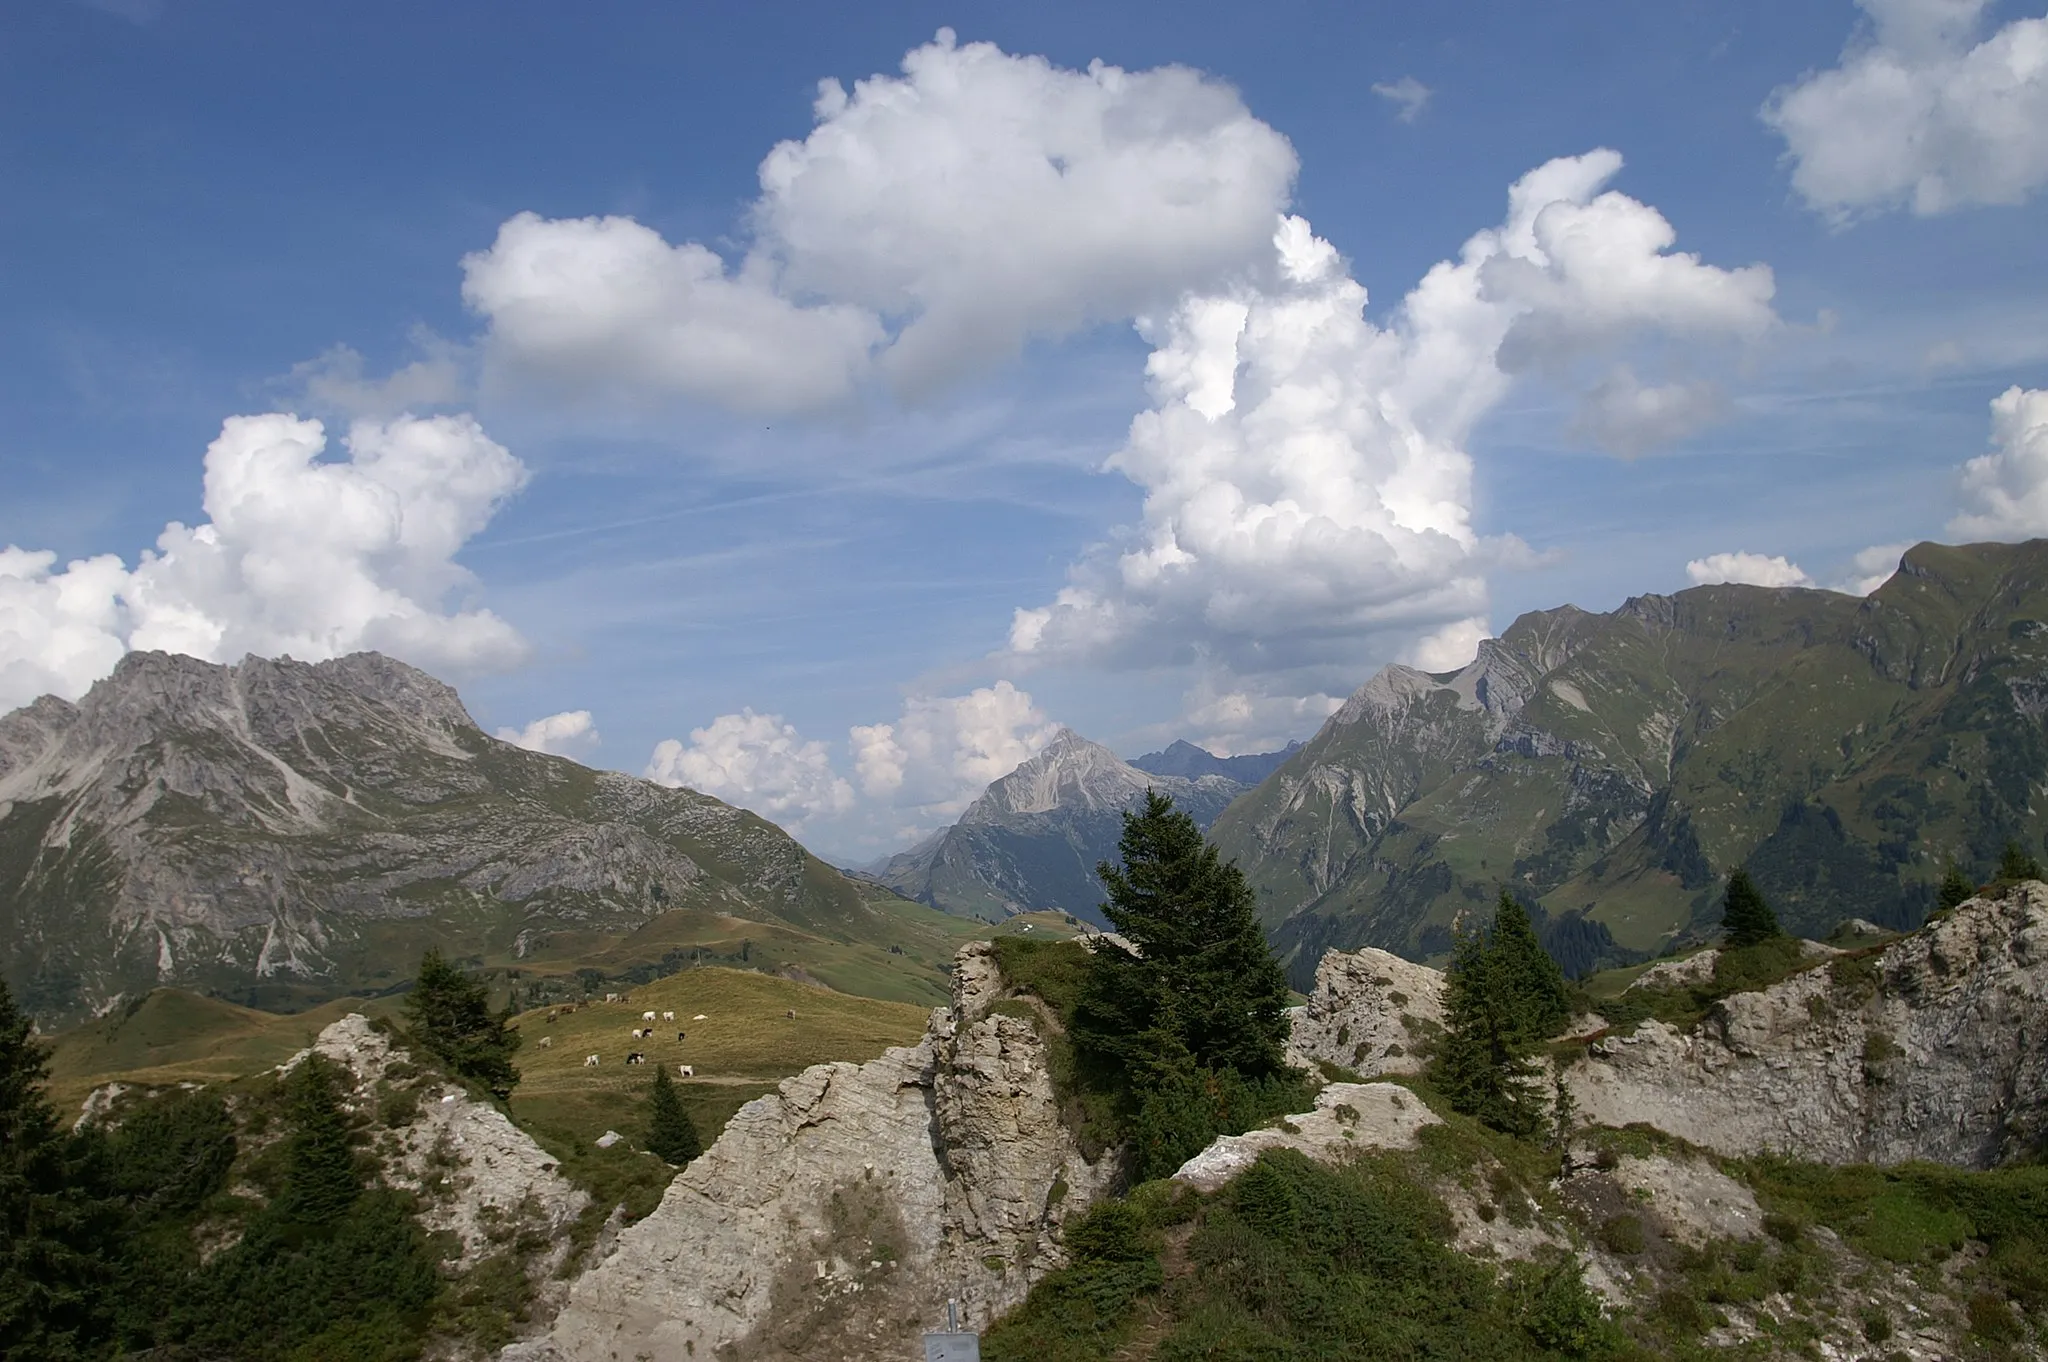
(477,1175)
(1934,1047)
(1348,1117)
(836,1217)
(1370,1012)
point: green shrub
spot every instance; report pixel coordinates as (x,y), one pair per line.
(1621,1234)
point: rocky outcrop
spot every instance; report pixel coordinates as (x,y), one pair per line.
(1371,1012)
(836,1217)
(478,1176)
(1348,1118)
(1934,1047)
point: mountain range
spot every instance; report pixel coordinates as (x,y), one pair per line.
(1611,769)
(280,832)
(1031,842)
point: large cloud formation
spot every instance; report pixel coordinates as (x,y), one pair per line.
(918,770)
(1920,115)
(929,224)
(299,556)
(1308,490)
(758,762)
(2005,493)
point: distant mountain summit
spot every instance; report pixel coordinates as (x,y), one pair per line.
(1612,769)
(280,832)
(1186,759)
(1033,839)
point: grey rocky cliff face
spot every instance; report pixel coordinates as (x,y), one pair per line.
(1371,1012)
(278,824)
(836,1217)
(477,1176)
(1934,1048)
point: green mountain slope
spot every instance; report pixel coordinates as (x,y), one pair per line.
(280,833)
(1613,768)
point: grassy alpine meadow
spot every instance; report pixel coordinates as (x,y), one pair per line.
(755,1030)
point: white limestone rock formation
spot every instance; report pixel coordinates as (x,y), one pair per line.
(477,1175)
(1348,1118)
(1932,1048)
(1371,1012)
(837,1216)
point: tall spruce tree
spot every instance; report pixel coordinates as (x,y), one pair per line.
(1746,919)
(1503,998)
(59,1228)
(450,1014)
(320,1178)
(671,1134)
(1189,1028)
(1956,888)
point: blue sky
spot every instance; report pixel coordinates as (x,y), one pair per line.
(844,502)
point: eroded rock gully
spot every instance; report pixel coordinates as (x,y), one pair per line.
(837,1216)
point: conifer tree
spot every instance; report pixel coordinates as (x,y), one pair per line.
(450,1015)
(1500,1005)
(58,1229)
(1531,978)
(2016,864)
(671,1135)
(1187,1031)
(1203,973)
(1955,888)
(320,1178)
(1746,919)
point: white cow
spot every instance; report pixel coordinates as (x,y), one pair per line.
(611,997)
(546,1042)
(590,1061)
(687,1070)
(668,1016)
(646,1016)
(699,1017)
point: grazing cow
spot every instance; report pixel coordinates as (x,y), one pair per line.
(646,1016)
(680,1035)
(668,1016)
(553,1013)
(611,997)
(547,1042)
(641,1033)
(590,1061)
(636,1058)
(686,1070)
(791,1014)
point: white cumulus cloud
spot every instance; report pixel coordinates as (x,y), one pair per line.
(1753,569)
(301,556)
(1871,568)
(568,734)
(929,224)
(758,762)
(1920,114)
(943,751)
(2005,492)
(1308,493)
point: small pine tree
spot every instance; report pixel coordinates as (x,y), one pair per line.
(320,1177)
(671,1135)
(1746,918)
(450,1015)
(2016,864)
(1955,888)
